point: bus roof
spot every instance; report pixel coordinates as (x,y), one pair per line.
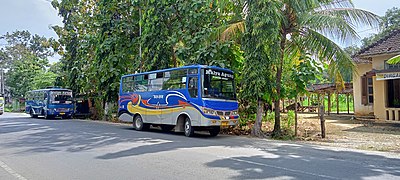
(183,67)
(51,89)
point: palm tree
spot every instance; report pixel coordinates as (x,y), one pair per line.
(311,26)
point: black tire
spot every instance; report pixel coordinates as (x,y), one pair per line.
(214,131)
(46,116)
(189,130)
(66,117)
(167,128)
(32,115)
(139,125)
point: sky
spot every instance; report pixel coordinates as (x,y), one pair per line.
(38,15)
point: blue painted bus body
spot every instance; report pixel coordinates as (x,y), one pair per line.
(165,106)
(52,102)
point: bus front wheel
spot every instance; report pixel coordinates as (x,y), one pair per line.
(189,130)
(214,131)
(32,114)
(139,125)
(46,116)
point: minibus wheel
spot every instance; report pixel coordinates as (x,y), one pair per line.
(138,124)
(189,130)
(214,131)
(46,116)
(32,115)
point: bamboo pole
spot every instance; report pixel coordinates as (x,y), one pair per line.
(348,104)
(329,103)
(337,102)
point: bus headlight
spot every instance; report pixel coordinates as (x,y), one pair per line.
(209,111)
(234,113)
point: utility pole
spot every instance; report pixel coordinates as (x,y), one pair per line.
(2,81)
(140,43)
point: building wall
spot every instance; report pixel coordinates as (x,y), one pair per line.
(380,92)
(360,109)
(380,96)
(379,99)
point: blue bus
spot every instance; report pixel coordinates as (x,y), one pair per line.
(50,103)
(187,99)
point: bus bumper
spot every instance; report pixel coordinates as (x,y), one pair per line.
(60,114)
(223,122)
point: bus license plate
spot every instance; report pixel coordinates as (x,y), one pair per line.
(224,123)
(62,113)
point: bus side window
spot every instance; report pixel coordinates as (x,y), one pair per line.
(192,87)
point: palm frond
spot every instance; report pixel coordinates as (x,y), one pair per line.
(330,4)
(327,50)
(331,26)
(394,60)
(232,30)
(356,17)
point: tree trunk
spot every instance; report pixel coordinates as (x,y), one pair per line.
(295,117)
(256,130)
(329,103)
(106,110)
(277,126)
(337,102)
(174,60)
(322,119)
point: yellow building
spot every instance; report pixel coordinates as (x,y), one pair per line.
(377,84)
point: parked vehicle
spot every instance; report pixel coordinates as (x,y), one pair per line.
(188,98)
(50,103)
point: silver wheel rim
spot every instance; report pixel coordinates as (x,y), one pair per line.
(187,127)
(137,123)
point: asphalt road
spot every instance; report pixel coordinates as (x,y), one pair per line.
(77,149)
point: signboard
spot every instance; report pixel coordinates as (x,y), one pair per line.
(387,76)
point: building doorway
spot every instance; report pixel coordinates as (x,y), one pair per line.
(393,93)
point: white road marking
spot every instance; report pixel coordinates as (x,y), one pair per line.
(282,168)
(11,171)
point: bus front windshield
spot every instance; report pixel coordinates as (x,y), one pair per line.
(218,84)
(60,97)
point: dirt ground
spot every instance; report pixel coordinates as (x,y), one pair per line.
(344,131)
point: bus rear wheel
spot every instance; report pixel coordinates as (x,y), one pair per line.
(139,125)
(189,130)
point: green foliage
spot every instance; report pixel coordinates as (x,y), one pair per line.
(25,56)
(100,40)
(290,119)
(43,79)
(269,116)
(259,44)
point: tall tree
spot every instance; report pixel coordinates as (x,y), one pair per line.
(26,57)
(309,26)
(258,44)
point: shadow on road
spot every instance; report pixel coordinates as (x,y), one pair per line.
(284,160)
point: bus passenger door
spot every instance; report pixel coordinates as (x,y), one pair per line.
(193,98)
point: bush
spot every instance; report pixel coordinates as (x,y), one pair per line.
(269,116)
(290,119)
